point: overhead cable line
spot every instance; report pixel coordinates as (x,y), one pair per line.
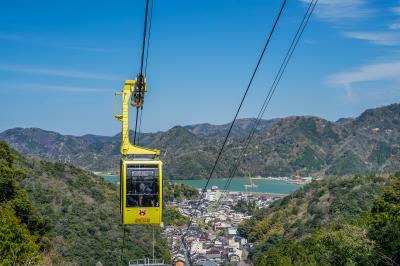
(235,117)
(148,38)
(145,67)
(140,125)
(136,126)
(123,245)
(144,37)
(272,89)
(143,62)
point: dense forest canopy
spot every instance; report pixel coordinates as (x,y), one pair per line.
(333,221)
(56,214)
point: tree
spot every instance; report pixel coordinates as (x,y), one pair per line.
(5,154)
(384,223)
(7,182)
(246,207)
(18,221)
(341,244)
(274,257)
(17,245)
(172,216)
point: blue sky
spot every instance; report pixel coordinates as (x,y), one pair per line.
(61,61)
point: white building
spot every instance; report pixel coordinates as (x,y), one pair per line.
(213,195)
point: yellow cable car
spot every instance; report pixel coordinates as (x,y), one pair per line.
(140,168)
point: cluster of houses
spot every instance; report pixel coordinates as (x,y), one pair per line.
(212,238)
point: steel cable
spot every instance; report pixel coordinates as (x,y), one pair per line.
(235,117)
(272,89)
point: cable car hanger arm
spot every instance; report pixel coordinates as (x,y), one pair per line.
(133,93)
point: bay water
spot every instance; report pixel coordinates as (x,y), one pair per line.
(238,184)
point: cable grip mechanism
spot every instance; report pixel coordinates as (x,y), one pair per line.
(139,91)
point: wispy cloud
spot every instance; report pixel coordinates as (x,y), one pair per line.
(341,12)
(49,88)
(361,83)
(48,42)
(377,95)
(72,89)
(394,26)
(396,10)
(381,38)
(372,72)
(337,10)
(86,48)
(388,35)
(54,72)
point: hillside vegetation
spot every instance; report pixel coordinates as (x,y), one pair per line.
(281,147)
(62,215)
(333,221)
(23,230)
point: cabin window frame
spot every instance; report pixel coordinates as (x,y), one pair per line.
(142,186)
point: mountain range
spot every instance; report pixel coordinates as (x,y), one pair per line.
(305,145)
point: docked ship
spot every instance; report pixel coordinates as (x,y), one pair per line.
(251,184)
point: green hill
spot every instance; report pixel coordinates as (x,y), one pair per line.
(22,229)
(333,221)
(78,214)
(281,147)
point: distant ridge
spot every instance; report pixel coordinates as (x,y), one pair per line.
(304,145)
(342,121)
(241,127)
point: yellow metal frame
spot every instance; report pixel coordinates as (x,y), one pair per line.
(141,215)
(127,148)
(135,215)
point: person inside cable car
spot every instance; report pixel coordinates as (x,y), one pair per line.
(132,201)
(142,192)
(142,188)
(147,195)
(155,193)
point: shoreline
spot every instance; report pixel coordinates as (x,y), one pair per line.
(258,193)
(266,186)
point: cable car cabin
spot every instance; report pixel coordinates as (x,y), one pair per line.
(141,191)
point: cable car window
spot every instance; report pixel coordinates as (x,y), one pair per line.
(142,186)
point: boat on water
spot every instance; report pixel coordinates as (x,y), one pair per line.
(298,180)
(251,184)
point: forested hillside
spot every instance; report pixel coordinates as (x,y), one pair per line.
(23,230)
(333,221)
(57,214)
(281,147)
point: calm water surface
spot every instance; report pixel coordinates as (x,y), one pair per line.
(237,184)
